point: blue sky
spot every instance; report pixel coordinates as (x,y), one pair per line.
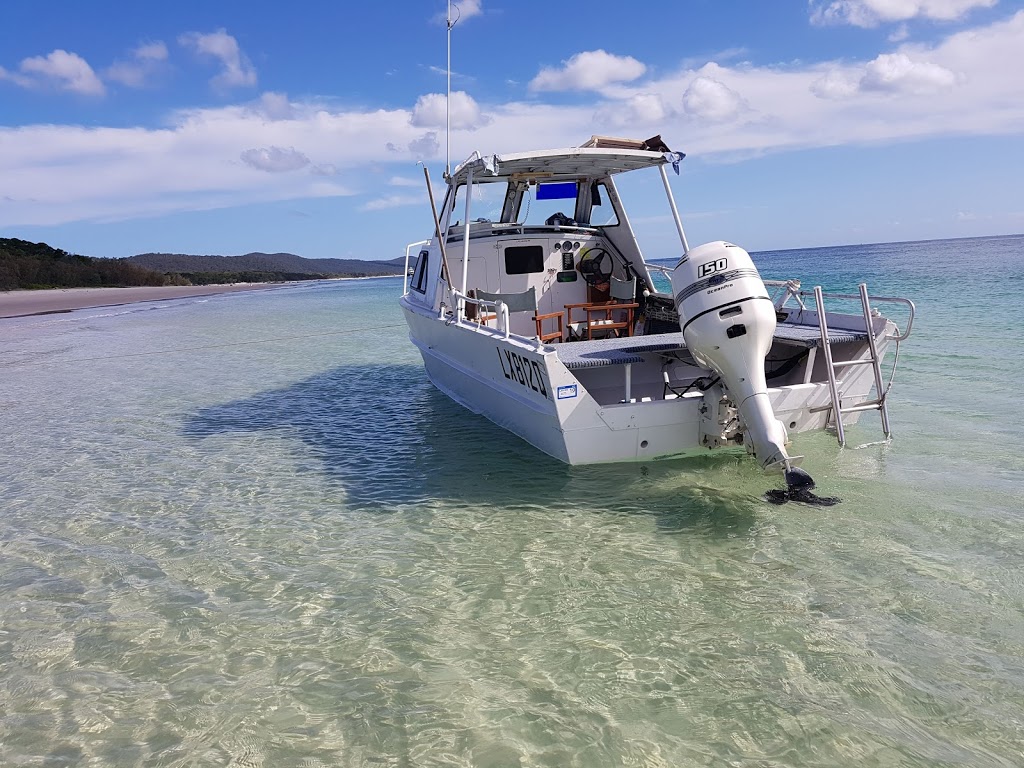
(228,127)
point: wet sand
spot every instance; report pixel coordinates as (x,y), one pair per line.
(23,303)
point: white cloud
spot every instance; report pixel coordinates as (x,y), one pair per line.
(898,73)
(871,13)
(51,174)
(275,159)
(59,69)
(275,106)
(709,99)
(237,69)
(642,112)
(893,73)
(588,71)
(144,62)
(391,201)
(401,181)
(835,84)
(426,146)
(429,111)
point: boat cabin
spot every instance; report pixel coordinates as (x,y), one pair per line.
(546,234)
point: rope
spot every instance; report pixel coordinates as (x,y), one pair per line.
(207,346)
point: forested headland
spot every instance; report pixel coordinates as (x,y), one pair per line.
(25,265)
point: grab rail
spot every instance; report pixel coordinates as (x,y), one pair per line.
(499,307)
(405,272)
(890,299)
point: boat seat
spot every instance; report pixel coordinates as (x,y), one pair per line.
(605,317)
(526,301)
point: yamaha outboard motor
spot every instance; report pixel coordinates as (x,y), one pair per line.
(728,321)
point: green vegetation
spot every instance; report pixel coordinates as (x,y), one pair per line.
(270,266)
(220,278)
(37,265)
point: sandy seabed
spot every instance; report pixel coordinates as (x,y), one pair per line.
(22,303)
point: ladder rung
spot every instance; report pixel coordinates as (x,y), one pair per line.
(844,363)
(870,405)
(836,407)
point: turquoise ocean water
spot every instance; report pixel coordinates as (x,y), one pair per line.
(221,550)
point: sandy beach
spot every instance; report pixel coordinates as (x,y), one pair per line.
(22,303)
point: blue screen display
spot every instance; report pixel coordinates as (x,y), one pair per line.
(563,190)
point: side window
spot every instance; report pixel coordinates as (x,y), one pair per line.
(602,214)
(419,273)
(459,207)
(524,259)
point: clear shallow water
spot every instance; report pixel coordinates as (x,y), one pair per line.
(298,553)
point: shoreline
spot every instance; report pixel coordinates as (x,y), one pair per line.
(27,303)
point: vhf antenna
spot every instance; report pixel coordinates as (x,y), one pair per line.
(448,96)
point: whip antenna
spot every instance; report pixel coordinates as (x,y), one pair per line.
(448,95)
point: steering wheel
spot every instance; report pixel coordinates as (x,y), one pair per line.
(596,266)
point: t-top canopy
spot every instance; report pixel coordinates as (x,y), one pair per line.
(600,156)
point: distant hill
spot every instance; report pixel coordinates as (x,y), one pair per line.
(37,265)
(266,263)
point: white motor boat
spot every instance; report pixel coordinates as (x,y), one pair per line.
(546,319)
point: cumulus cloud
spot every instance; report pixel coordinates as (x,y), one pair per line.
(898,73)
(588,71)
(144,62)
(871,13)
(275,159)
(709,99)
(894,73)
(429,111)
(835,84)
(237,69)
(59,69)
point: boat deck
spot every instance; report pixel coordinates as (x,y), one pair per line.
(631,349)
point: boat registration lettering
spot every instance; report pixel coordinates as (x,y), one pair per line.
(522,370)
(569,390)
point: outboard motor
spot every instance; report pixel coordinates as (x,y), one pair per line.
(728,322)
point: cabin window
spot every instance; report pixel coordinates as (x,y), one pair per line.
(602,213)
(524,259)
(419,273)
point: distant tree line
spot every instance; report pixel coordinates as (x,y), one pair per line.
(37,265)
(219,278)
(269,263)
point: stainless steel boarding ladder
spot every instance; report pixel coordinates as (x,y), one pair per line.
(877,403)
